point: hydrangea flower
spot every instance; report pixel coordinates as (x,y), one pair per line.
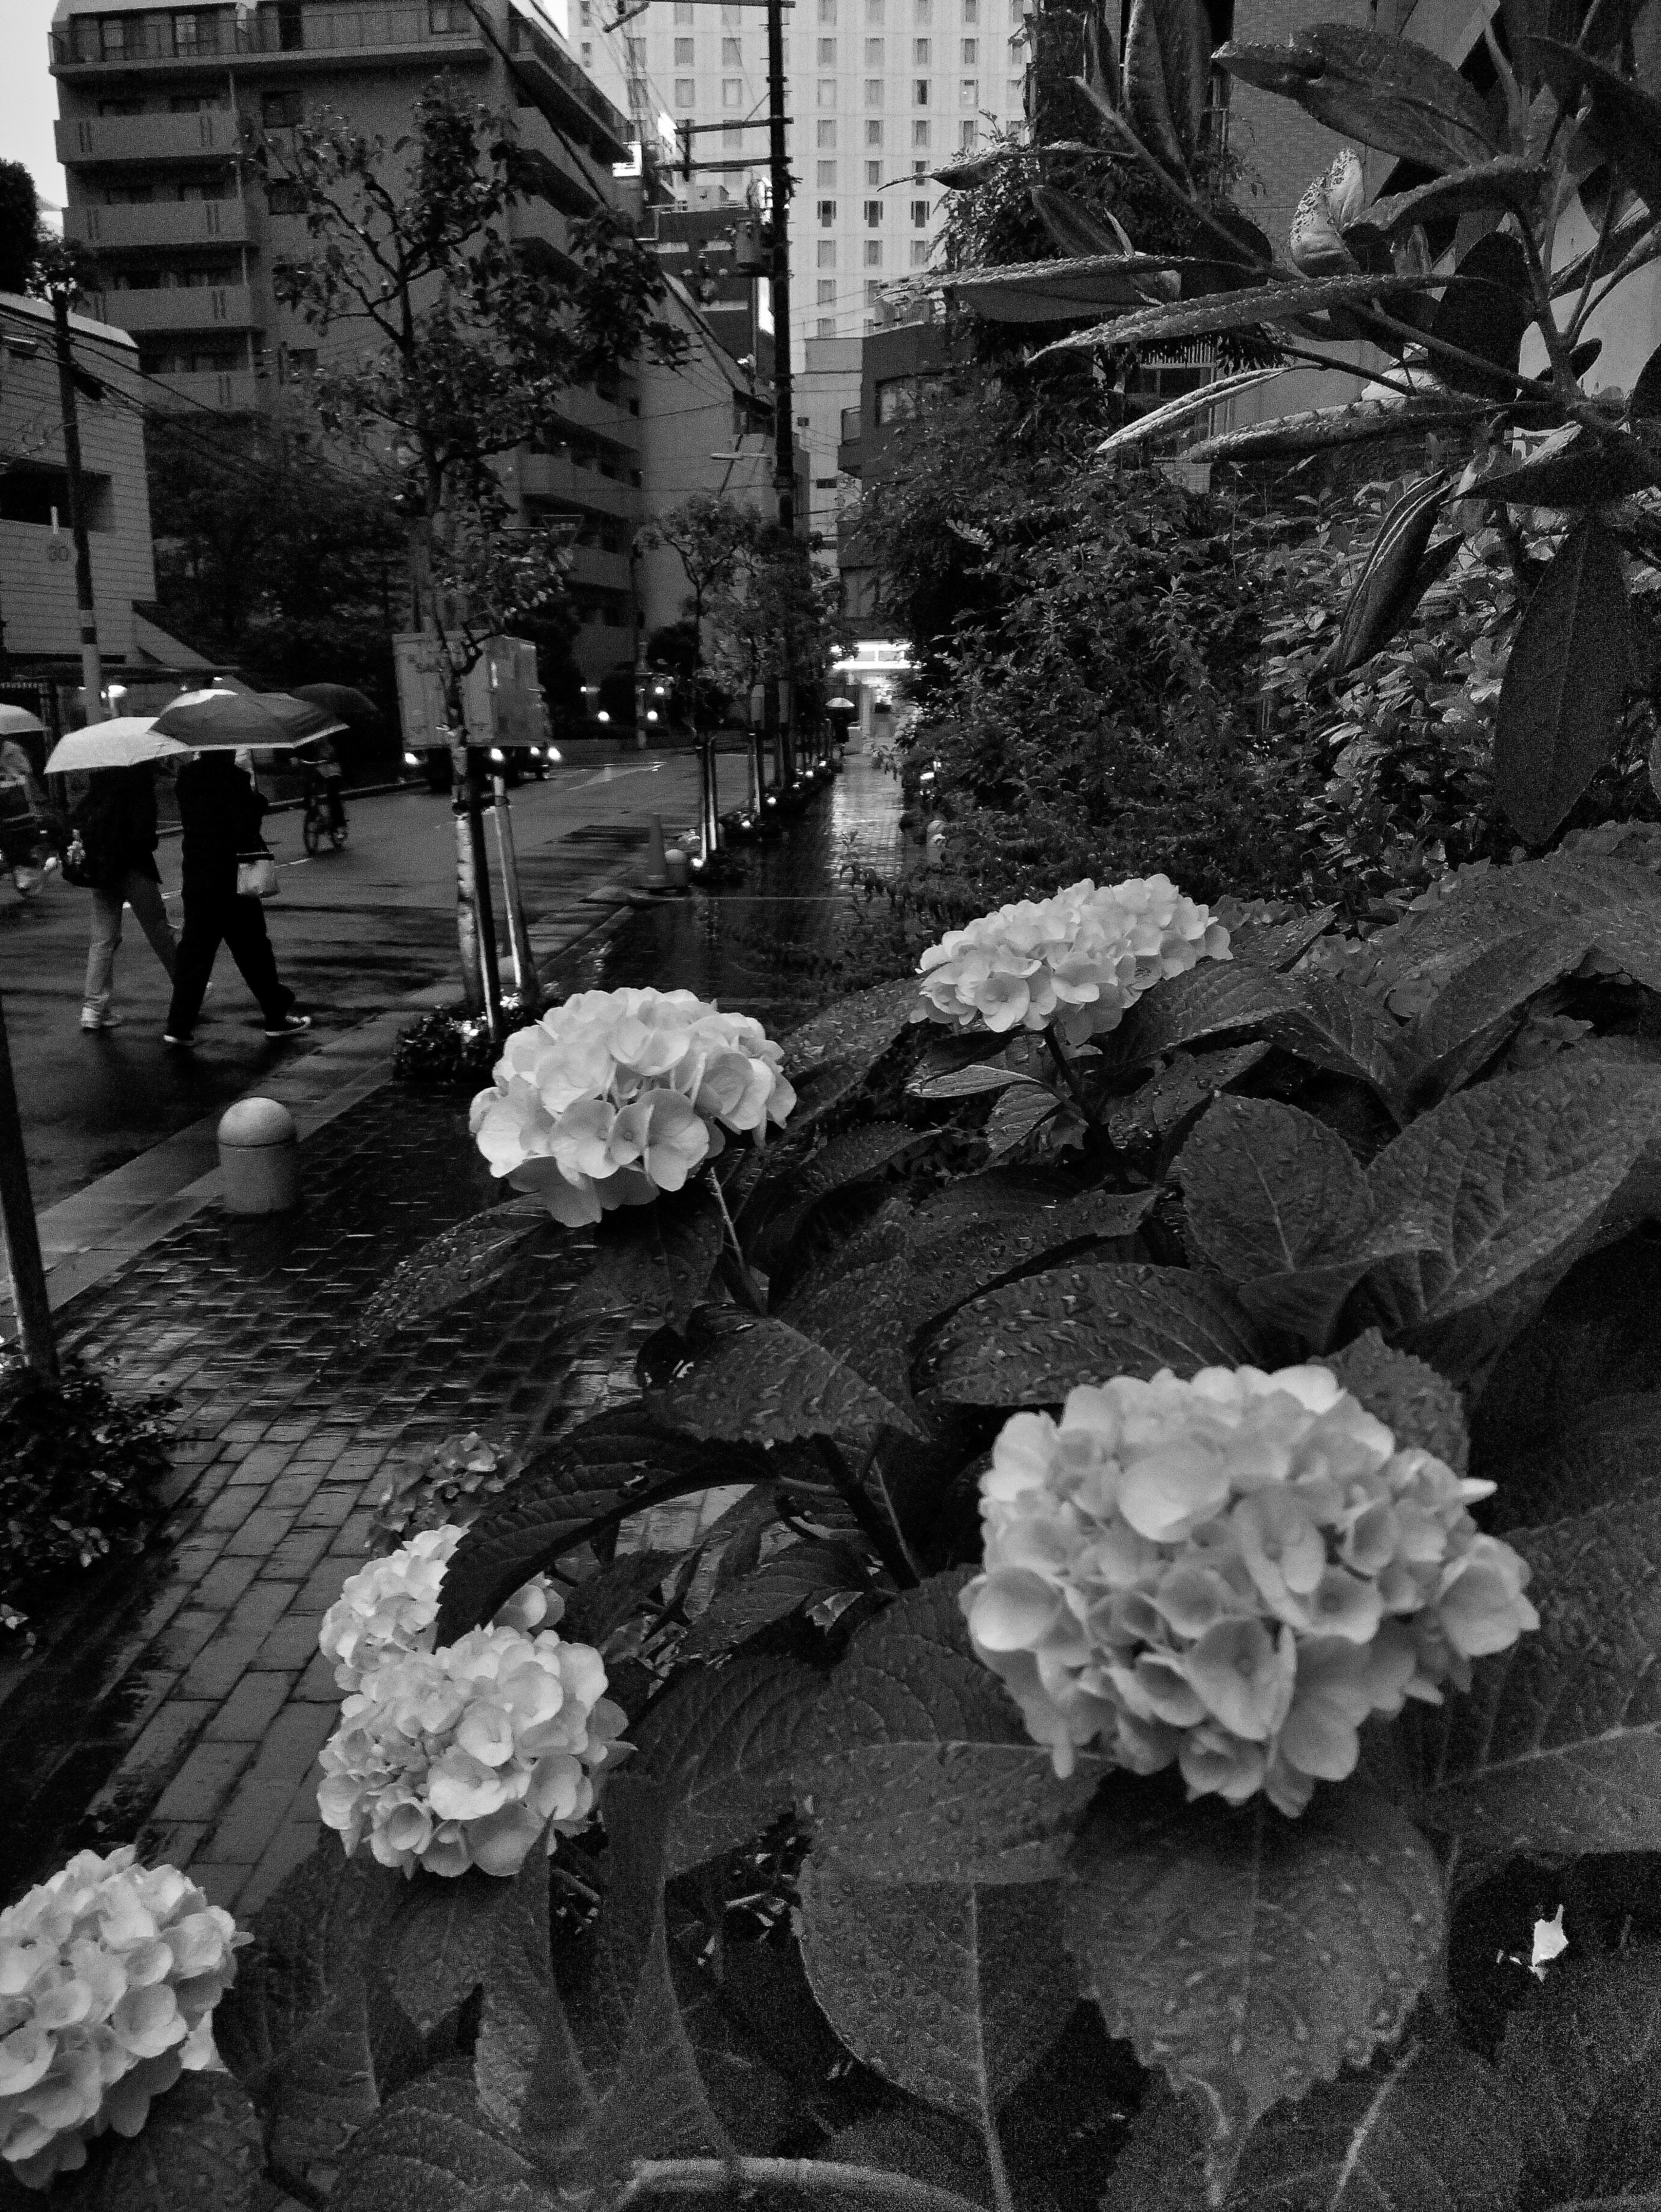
(618,1095)
(392,1604)
(468,1755)
(1078,960)
(1230,1574)
(109,1974)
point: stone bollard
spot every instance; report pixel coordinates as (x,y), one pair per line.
(657,873)
(679,865)
(260,1158)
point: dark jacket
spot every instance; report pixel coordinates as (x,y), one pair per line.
(117,822)
(220,812)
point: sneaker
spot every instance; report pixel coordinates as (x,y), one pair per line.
(289,1026)
(185,1041)
(95,1017)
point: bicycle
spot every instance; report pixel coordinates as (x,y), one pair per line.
(325,816)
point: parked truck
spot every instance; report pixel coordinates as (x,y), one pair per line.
(502,708)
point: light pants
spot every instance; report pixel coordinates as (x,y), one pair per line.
(144,895)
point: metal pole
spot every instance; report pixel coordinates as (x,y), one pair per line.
(784,433)
(519,935)
(22,1238)
(92,674)
(483,905)
(709,824)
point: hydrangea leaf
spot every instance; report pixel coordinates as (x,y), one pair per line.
(199,2151)
(1268,1189)
(828,1058)
(801,1576)
(653,1259)
(1184,1086)
(1320,1018)
(1512,1179)
(1030,1342)
(1162,2165)
(439,1942)
(433,2150)
(1246,1955)
(1607,1453)
(952,1992)
(456,1264)
(917,1767)
(1579,2059)
(723,1745)
(1469,1020)
(1021,1111)
(1594,1338)
(527,2073)
(595,1475)
(1431,2133)
(769,1383)
(1556,1751)
(1408,1395)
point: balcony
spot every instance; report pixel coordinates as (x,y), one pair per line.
(579,103)
(158,223)
(230,390)
(850,452)
(89,141)
(599,570)
(554,476)
(180,308)
(416,31)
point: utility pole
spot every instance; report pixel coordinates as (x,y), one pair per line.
(22,1238)
(784,433)
(92,673)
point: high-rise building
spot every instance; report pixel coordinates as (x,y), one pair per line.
(879,93)
(156,105)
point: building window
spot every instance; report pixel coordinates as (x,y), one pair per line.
(826,253)
(873,214)
(826,328)
(732,91)
(1017,95)
(827,212)
(282,111)
(827,11)
(732,138)
(826,135)
(873,292)
(919,134)
(921,11)
(971,11)
(874,91)
(827,53)
(920,92)
(827,176)
(873,11)
(634,52)
(920,52)
(445,18)
(686,91)
(873,134)
(875,53)
(585,14)
(684,14)
(920,214)
(827,291)
(920,253)
(965,137)
(873,172)
(970,48)
(587,51)
(732,54)
(825,93)
(639,94)
(874,253)
(685,52)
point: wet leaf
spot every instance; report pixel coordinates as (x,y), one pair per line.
(1322,1020)
(1605,1453)
(1030,1342)
(1470,1017)
(1020,1114)
(775,1214)
(789,1583)
(433,2150)
(654,1261)
(1078,228)
(1574,2053)
(1556,1751)
(722,1745)
(1387,92)
(1278,944)
(454,1264)
(1593,1340)
(1394,577)
(769,1384)
(1623,122)
(596,1474)
(1570,469)
(198,2151)
(828,1058)
(1431,2133)
(1166,68)
(1268,306)
(917,1767)
(1181,1091)
(1507,181)
(1419,1405)
(952,1992)
(439,1942)
(1268,1189)
(1511,1180)
(1247,1955)
(971,1082)
(1644,400)
(527,2073)
(1486,310)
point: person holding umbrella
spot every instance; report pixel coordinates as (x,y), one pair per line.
(115,824)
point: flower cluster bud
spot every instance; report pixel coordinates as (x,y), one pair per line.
(1078,961)
(1327,210)
(617,1095)
(391,1606)
(109,1974)
(469,1755)
(1230,1574)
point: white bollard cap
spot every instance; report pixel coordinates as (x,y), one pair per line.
(252,1123)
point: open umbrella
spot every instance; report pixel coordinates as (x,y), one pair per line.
(354,708)
(123,743)
(301,718)
(18,722)
(221,722)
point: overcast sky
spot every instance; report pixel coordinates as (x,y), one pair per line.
(28,96)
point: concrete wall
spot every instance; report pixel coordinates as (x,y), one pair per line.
(37,570)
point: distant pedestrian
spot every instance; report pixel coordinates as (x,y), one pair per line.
(23,820)
(116,824)
(220,810)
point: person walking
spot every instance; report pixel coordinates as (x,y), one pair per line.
(116,824)
(220,810)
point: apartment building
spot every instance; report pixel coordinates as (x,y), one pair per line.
(879,93)
(155,108)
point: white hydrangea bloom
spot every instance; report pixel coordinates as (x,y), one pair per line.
(467,1756)
(392,1604)
(1232,1574)
(109,1974)
(1078,960)
(618,1095)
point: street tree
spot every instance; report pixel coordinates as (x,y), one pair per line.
(450,342)
(716,541)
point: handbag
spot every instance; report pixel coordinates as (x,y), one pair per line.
(79,868)
(256,877)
